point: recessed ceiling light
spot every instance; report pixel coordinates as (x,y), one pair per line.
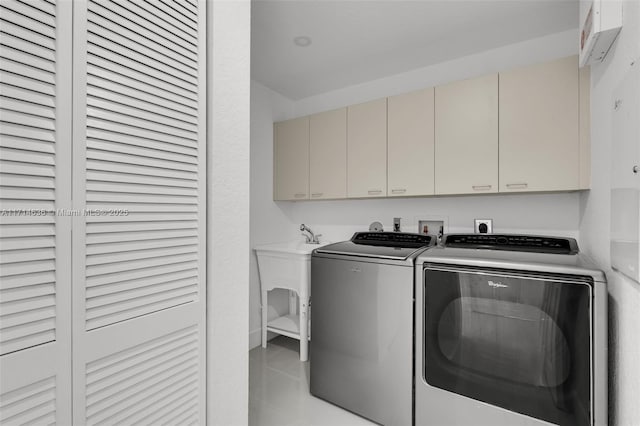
(302,41)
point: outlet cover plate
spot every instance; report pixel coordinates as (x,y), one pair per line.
(488,222)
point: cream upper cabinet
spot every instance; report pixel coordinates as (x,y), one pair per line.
(539,127)
(328,154)
(291,159)
(367,149)
(410,144)
(466,136)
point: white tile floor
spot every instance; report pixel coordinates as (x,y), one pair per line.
(279,391)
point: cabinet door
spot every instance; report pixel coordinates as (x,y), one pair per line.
(539,138)
(328,154)
(139,162)
(35,231)
(466,141)
(410,144)
(367,149)
(291,159)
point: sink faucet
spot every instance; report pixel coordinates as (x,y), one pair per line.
(311,238)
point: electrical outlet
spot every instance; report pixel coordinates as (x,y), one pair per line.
(483,226)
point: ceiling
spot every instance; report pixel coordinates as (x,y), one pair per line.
(355,41)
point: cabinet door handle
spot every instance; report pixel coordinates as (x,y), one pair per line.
(517,185)
(481,187)
(300,195)
(398,191)
(317,194)
(374,191)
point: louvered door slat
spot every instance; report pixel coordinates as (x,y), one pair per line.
(170,266)
(129,246)
(157,25)
(124,157)
(40,6)
(27,181)
(27,243)
(125,286)
(192,3)
(143,102)
(140,100)
(105,176)
(104,75)
(26,132)
(183,9)
(107,16)
(24,168)
(127,237)
(134,296)
(30,72)
(139,111)
(127,126)
(125,165)
(31,62)
(35,181)
(26,317)
(13,92)
(121,60)
(26,255)
(109,38)
(27,34)
(20,119)
(8,13)
(137,119)
(107,258)
(35,49)
(29,84)
(187,34)
(32,403)
(29,13)
(138,147)
(20,106)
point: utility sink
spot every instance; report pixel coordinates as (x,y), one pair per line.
(287,265)
(290,247)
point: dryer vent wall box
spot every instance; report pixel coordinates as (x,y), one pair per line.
(600,23)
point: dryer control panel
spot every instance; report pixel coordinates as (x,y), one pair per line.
(513,242)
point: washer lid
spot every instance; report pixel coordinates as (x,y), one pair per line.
(385,245)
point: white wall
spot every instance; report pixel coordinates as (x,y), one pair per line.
(555,214)
(624,294)
(270,221)
(546,214)
(229,24)
(541,49)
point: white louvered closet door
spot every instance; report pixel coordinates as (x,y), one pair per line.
(35,180)
(139,278)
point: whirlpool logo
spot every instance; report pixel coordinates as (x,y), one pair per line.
(496,285)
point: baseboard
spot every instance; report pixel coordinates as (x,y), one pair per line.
(255,338)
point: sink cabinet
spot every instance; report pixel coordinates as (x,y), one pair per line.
(288,266)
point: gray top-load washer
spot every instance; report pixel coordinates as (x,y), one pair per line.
(362,296)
